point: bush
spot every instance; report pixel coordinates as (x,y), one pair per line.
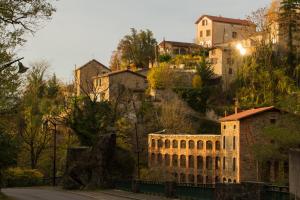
(17,177)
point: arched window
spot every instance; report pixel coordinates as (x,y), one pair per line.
(182,161)
(191,178)
(167,144)
(199,179)
(175,144)
(153,143)
(191,144)
(217,162)
(224,142)
(191,161)
(160,143)
(209,145)
(200,144)
(224,163)
(224,180)
(200,162)
(229,181)
(182,144)
(233,164)
(208,162)
(167,160)
(159,159)
(175,160)
(218,145)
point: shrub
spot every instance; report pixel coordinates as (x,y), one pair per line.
(17,177)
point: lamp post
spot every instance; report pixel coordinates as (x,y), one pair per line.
(22,68)
(54,149)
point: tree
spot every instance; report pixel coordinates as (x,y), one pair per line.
(42,98)
(289,23)
(138,48)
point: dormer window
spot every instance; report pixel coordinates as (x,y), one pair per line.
(204,22)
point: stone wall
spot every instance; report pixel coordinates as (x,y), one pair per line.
(294,175)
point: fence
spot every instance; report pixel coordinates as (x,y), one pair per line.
(243,191)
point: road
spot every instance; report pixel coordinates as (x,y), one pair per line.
(50,194)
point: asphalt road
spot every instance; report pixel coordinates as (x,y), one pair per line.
(46,194)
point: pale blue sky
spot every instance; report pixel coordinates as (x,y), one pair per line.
(85,29)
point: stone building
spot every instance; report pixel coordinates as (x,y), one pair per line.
(84,76)
(213,30)
(178,48)
(110,86)
(227,157)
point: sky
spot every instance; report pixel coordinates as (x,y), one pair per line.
(82,30)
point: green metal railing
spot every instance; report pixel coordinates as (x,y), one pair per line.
(276,193)
(149,187)
(191,192)
(124,185)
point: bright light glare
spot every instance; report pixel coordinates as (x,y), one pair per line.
(241,49)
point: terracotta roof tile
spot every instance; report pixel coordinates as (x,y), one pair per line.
(226,20)
(247,113)
(121,71)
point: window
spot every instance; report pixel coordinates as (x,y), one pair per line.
(182,178)
(214,61)
(167,144)
(224,142)
(182,161)
(153,143)
(218,145)
(199,162)
(175,160)
(233,164)
(182,144)
(159,159)
(204,22)
(191,144)
(208,33)
(233,141)
(224,163)
(273,121)
(160,143)
(230,71)
(234,34)
(191,161)
(201,33)
(234,127)
(153,159)
(209,145)
(208,180)
(208,162)
(199,179)
(230,61)
(224,127)
(175,144)
(200,144)
(167,160)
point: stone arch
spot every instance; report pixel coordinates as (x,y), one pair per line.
(199,162)
(209,162)
(191,144)
(167,160)
(174,160)
(160,143)
(191,161)
(159,159)
(175,144)
(209,145)
(200,144)
(167,144)
(182,144)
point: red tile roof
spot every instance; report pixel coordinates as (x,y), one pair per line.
(226,20)
(181,44)
(247,113)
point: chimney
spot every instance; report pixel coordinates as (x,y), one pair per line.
(225,113)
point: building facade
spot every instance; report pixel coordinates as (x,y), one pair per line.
(178,48)
(213,30)
(111,86)
(84,76)
(228,157)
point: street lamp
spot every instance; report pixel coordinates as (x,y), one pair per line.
(241,49)
(22,68)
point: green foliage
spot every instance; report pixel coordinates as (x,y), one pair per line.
(122,165)
(164,58)
(263,79)
(8,149)
(17,177)
(189,61)
(161,77)
(89,119)
(138,48)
